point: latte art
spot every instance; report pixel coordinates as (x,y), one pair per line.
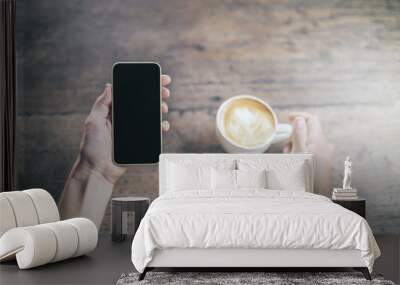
(248,123)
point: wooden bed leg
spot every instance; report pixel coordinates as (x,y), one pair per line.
(142,275)
(364,271)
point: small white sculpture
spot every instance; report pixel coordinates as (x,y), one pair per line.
(347,173)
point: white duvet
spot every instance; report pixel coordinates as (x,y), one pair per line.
(250,219)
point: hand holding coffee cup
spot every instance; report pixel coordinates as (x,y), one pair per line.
(247,124)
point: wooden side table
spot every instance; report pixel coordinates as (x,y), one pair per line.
(120,208)
(357,206)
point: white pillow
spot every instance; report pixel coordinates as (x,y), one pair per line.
(283,174)
(223,179)
(251,178)
(293,179)
(188,177)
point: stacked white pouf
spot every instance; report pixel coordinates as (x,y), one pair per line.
(31,230)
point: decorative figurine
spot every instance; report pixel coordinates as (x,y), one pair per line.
(347,173)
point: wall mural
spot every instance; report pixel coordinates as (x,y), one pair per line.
(337,60)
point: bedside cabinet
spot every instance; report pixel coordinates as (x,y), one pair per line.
(121,208)
(357,206)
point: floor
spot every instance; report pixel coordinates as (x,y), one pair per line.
(110,260)
(389,262)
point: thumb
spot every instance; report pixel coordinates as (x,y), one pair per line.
(299,138)
(287,148)
(103,102)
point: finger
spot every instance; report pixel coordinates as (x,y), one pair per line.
(299,136)
(165,126)
(314,127)
(164,107)
(108,95)
(294,115)
(287,148)
(165,93)
(102,105)
(108,100)
(165,80)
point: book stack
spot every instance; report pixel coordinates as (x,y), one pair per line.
(344,194)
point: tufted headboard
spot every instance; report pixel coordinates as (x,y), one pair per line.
(231,160)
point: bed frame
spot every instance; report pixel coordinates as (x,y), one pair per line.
(261,259)
(248,259)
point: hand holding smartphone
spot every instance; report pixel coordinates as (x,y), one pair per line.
(136,110)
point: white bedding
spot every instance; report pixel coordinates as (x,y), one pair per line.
(250,218)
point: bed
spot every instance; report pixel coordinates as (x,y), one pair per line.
(244,211)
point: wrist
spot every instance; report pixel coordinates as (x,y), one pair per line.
(84,169)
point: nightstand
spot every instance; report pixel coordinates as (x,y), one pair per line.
(121,209)
(357,205)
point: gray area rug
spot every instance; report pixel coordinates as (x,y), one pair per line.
(228,278)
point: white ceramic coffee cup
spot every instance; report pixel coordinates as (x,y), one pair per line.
(281,132)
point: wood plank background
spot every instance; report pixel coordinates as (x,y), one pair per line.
(337,59)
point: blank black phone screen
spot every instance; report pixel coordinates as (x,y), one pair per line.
(136,113)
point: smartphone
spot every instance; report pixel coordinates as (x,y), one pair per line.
(136,113)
